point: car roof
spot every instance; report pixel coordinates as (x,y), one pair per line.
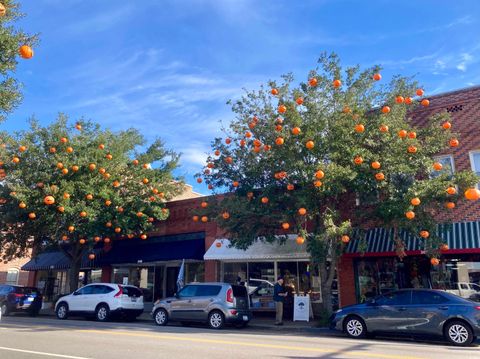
(209,283)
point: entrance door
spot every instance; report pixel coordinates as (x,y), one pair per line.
(158,283)
(171,286)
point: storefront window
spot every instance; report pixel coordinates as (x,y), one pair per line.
(120,275)
(195,272)
(235,273)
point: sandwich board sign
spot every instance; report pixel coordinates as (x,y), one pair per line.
(301,308)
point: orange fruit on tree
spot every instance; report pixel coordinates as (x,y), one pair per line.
(226,215)
(274,92)
(385,109)
(412,135)
(71,228)
(279,121)
(379,176)
(108,202)
(265,200)
(116,184)
(242,143)
(25,51)
(419,92)
(302,211)
(278,128)
(415,201)
(285,225)
(151,198)
(453,142)
(217,152)
(336,83)
(437,166)
(102,170)
(399,99)
(383,128)
(22,148)
(59,165)
(210,186)
(317,183)
(229,160)
(435,261)
(472,194)
(139,214)
(402,133)
(146,166)
(83,214)
(299,101)
(97,239)
(248,134)
(300,240)
(235,184)
(135,162)
(195,218)
(199,180)
(446,125)
(89,196)
(256,149)
(204,204)
(78,126)
(376,165)
(358,160)
(313,82)
(410,214)
(151,219)
(451,190)
(345,238)
(65,171)
(450,205)
(412,149)
(22,205)
(279,141)
(252,125)
(257,143)
(16,160)
(108,224)
(53,150)
(377,77)
(61,209)
(444,247)
(408,100)
(319,174)
(296,130)
(63,140)
(228,141)
(310,145)
(91,256)
(64,238)
(290,187)
(108,156)
(106,175)
(282,109)
(101,146)
(359,128)
(424,234)
(347,109)
(92,166)
(75,168)
(117,229)
(48,200)
(69,149)
(106,240)
(204,219)
(425,102)
(32,215)
(66,195)
(82,241)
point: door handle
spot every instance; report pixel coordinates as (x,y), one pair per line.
(402,309)
(443,307)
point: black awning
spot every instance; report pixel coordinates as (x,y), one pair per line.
(165,248)
(56,260)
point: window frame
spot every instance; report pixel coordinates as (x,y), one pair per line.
(472,163)
(11,270)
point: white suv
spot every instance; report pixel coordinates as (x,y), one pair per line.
(103,300)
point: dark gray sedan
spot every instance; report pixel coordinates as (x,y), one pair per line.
(413,311)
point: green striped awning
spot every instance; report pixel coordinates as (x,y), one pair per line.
(460,235)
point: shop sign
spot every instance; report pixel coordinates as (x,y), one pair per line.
(301,308)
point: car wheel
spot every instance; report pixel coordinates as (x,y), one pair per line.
(216,320)
(62,311)
(161,317)
(4,309)
(102,313)
(355,327)
(459,333)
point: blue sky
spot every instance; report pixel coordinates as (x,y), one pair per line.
(168,67)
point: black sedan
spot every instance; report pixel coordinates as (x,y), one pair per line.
(14,298)
(412,311)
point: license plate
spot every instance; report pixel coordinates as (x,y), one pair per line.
(134,299)
(245,318)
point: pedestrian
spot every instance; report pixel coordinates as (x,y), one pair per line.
(279,295)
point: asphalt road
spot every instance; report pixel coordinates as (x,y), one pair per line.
(27,338)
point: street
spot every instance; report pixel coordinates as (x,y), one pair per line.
(24,338)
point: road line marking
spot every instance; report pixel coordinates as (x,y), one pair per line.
(247,344)
(41,353)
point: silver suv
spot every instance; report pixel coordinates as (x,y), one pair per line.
(212,303)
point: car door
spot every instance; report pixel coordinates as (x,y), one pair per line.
(181,307)
(389,313)
(205,296)
(78,301)
(98,294)
(429,310)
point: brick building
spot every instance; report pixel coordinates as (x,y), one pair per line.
(154,264)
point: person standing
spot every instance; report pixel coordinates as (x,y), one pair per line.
(279,295)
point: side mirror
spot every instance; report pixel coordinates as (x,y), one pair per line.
(176,295)
(75,293)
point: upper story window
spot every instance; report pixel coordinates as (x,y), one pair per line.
(12,276)
(448,166)
(475,161)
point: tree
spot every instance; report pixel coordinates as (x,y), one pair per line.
(11,39)
(73,186)
(329,159)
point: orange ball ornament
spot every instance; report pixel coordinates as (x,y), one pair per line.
(377,77)
(300,240)
(415,201)
(472,194)
(302,211)
(108,156)
(282,109)
(82,241)
(410,214)
(71,228)
(75,168)
(59,165)
(317,183)
(235,184)
(229,160)
(65,171)
(139,214)
(228,141)
(285,225)
(359,128)
(385,109)
(116,184)
(336,83)
(451,190)
(358,160)
(117,230)
(454,142)
(435,261)
(135,162)
(49,200)
(66,195)
(145,180)
(446,125)
(25,52)
(101,146)
(108,224)
(376,165)
(310,145)
(22,148)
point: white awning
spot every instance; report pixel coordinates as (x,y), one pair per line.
(258,250)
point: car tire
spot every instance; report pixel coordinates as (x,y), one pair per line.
(459,333)
(216,320)
(355,327)
(102,313)
(62,311)
(160,317)
(4,310)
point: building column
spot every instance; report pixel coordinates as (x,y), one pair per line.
(107,274)
(346,282)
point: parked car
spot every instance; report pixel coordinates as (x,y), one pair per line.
(212,303)
(262,285)
(465,290)
(14,298)
(413,312)
(103,300)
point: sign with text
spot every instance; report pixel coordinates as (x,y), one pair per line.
(301,308)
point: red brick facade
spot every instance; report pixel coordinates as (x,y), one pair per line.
(22,277)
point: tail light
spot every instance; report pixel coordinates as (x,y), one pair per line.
(230,295)
(477,307)
(18,295)
(120,292)
(233,312)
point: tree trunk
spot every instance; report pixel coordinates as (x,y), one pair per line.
(73,273)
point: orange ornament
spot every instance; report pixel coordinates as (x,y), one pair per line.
(399,99)
(91,256)
(135,162)
(59,165)
(242,143)
(278,128)
(25,51)
(336,83)
(248,134)
(108,156)
(97,239)
(65,171)
(402,133)
(285,225)
(71,228)
(300,240)
(302,211)
(377,77)
(82,241)
(282,109)
(453,142)
(310,145)
(410,214)
(383,128)
(358,160)
(116,184)
(446,125)
(264,200)
(217,152)
(279,141)
(376,165)
(102,171)
(296,130)
(235,184)
(78,126)
(139,214)
(415,201)
(66,195)
(472,194)
(313,82)
(359,128)
(204,204)
(425,102)
(145,180)
(451,190)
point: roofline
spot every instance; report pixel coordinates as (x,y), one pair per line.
(452,92)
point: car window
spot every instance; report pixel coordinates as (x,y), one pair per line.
(132,291)
(464,286)
(100,289)
(4,289)
(424,297)
(188,291)
(395,298)
(207,290)
(86,290)
(239,291)
(26,290)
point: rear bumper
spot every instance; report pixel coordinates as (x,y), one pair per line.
(240,316)
(127,312)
